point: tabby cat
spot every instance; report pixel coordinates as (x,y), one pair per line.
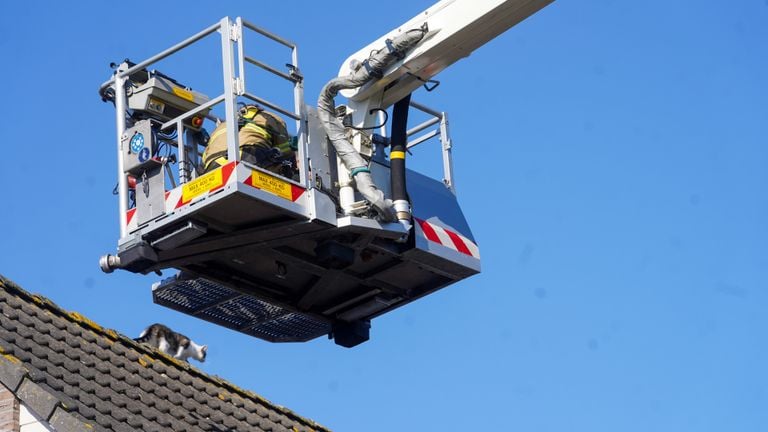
(174,344)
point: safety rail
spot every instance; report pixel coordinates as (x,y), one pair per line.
(441,119)
(232,35)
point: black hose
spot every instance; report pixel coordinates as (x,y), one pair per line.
(397,152)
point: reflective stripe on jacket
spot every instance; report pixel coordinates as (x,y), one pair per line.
(264,130)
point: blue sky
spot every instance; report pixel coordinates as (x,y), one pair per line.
(610,157)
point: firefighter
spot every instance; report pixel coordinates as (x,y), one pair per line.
(264,142)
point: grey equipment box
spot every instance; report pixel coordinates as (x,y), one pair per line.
(163,98)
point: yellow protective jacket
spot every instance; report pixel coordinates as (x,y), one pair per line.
(261,129)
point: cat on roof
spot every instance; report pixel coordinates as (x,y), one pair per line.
(172,343)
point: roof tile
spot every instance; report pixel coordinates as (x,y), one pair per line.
(135,421)
(75,392)
(114,384)
(37,398)
(64,421)
(123,427)
(45,317)
(102,367)
(87,412)
(239,415)
(9,312)
(11,371)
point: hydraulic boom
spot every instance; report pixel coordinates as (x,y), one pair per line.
(342,232)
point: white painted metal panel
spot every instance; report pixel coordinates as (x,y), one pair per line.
(456,28)
(29,422)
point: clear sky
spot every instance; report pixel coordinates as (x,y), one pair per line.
(610,158)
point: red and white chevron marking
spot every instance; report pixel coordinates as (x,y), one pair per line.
(175,198)
(131,221)
(438,234)
(213,181)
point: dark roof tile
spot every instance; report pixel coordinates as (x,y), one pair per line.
(109,382)
(132,380)
(62,377)
(134,393)
(23,333)
(88,336)
(85,373)
(190,405)
(64,421)
(102,392)
(185,379)
(9,312)
(119,387)
(37,398)
(66,402)
(12,372)
(153,428)
(45,317)
(227,409)
(56,358)
(120,415)
(59,324)
(124,427)
(173,373)
(135,421)
(187,392)
(102,367)
(25,320)
(38,351)
(25,307)
(120,401)
(136,407)
(36,372)
(103,379)
(200,397)
(75,392)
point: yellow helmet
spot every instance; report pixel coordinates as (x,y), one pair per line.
(248,112)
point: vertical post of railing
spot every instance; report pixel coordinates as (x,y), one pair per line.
(241,53)
(193,157)
(445,139)
(122,181)
(227,54)
(299,110)
(183,165)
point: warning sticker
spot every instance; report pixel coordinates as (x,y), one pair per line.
(184,94)
(202,185)
(272,185)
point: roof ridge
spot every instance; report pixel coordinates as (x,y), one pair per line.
(83,321)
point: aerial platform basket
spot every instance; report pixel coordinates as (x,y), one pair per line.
(270,256)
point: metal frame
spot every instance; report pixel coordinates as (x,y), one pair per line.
(203,234)
(234,86)
(440,118)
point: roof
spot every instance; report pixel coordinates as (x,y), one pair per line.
(79,376)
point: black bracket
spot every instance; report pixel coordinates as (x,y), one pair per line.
(293,71)
(427,87)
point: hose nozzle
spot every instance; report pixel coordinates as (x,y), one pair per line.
(109,263)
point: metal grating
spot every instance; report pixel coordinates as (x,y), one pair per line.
(192,294)
(220,305)
(244,311)
(292,327)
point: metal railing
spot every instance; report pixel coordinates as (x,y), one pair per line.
(232,36)
(440,119)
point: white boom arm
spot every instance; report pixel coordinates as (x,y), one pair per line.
(396,64)
(456,28)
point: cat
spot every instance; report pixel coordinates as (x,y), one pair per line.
(174,344)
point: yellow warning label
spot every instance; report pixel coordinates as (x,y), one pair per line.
(201,185)
(271,184)
(184,94)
